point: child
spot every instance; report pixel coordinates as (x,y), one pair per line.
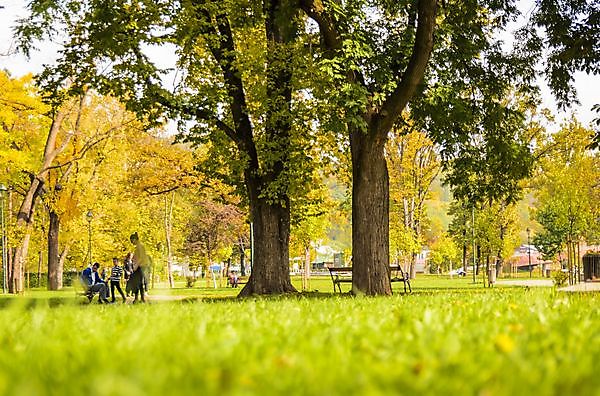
(115,279)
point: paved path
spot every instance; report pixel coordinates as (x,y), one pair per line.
(579,287)
(582,287)
(527,282)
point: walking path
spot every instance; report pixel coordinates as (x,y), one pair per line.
(579,287)
(582,287)
(527,282)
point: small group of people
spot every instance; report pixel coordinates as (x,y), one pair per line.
(134,269)
(233,279)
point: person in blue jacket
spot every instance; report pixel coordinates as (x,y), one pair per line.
(94,283)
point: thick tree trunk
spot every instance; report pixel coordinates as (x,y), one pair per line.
(270,271)
(370,216)
(55,270)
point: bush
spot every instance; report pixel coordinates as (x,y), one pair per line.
(190,281)
(560,278)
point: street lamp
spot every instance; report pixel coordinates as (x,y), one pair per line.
(89,216)
(529,251)
(3,190)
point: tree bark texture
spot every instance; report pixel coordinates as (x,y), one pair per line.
(270,269)
(55,270)
(370,216)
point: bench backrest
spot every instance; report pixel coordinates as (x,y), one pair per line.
(334,270)
(393,268)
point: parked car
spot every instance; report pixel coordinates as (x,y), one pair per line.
(458,272)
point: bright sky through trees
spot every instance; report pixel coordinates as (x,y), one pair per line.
(587,85)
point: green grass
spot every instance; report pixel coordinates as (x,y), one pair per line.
(446,338)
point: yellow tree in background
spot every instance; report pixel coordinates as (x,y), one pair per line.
(413,165)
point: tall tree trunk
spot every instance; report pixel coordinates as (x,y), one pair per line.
(413,266)
(499,265)
(39,269)
(370,184)
(10,250)
(370,216)
(306,277)
(242,257)
(18,263)
(271,215)
(478,260)
(26,211)
(270,271)
(55,269)
(464,256)
(168,232)
(9,271)
(61,261)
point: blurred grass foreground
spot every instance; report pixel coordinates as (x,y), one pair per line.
(445,341)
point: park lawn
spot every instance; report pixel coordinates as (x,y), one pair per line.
(446,341)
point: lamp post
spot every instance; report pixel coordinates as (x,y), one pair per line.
(529,251)
(89,216)
(3,190)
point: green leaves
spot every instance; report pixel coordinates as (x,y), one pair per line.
(567,189)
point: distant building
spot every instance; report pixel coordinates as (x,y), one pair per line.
(421,260)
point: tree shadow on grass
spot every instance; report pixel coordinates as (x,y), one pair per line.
(41,302)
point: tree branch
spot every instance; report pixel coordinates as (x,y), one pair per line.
(329,33)
(415,69)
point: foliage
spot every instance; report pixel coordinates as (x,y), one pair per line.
(564,35)
(443,253)
(22,126)
(212,228)
(474,101)
(413,165)
(566,189)
(428,343)
(497,230)
(560,278)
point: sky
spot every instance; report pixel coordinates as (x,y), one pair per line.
(588,86)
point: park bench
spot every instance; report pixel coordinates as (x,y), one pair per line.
(344,275)
(85,290)
(240,281)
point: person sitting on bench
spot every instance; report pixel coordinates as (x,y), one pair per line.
(94,284)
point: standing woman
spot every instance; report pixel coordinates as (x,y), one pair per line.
(141,263)
(128,270)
